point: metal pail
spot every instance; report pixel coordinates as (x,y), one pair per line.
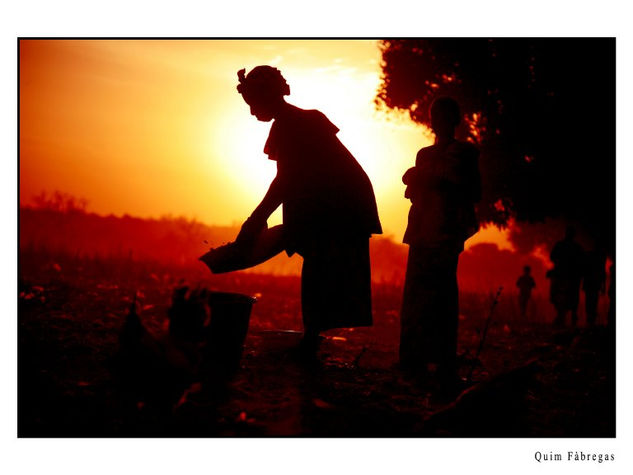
(230,315)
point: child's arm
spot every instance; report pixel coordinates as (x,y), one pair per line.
(410,179)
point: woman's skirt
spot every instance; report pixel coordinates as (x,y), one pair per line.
(336,283)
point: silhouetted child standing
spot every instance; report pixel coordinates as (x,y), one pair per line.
(525,283)
(443,187)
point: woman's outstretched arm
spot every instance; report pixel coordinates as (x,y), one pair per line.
(270,202)
(257,220)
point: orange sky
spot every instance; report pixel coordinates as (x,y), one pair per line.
(157,127)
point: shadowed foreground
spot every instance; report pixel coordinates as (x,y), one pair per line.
(528,381)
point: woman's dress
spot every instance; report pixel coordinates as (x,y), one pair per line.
(329,214)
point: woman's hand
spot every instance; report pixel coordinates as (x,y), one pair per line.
(251,228)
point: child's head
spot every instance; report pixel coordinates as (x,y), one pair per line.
(445,116)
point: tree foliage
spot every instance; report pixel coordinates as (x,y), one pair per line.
(541,110)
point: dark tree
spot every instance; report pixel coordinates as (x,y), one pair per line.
(541,110)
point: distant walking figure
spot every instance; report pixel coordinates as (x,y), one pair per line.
(525,283)
(567,256)
(329,208)
(443,187)
(594,282)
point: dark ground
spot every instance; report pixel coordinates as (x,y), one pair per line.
(530,381)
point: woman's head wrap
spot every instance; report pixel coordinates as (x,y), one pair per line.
(262,80)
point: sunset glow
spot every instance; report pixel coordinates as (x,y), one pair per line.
(153,128)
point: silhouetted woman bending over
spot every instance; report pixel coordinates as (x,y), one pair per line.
(329,208)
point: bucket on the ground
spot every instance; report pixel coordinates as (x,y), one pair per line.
(230,315)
